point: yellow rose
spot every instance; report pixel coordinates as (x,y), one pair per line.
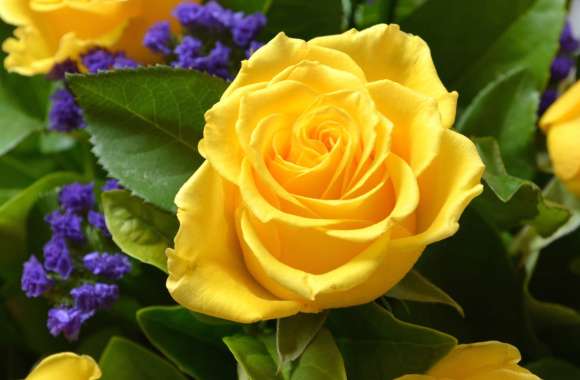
(67,366)
(562,125)
(330,167)
(478,361)
(50,31)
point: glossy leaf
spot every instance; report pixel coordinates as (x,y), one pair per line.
(140,229)
(415,287)
(145,125)
(554,369)
(506,109)
(125,360)
(377,346)
(317,18)
(192,343)
(479,40)
(294,334)
(320,361)
(247,6)
(253,355)
(509,201)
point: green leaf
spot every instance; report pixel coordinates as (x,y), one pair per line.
(145,125)
(506,109)
(554,369)
(125,360)
(377,346)
(253,355)
(141,230)
(320,361)
(294,334)
(256,356)
(23,107)
(191,343)
(510,201)
(415,287)
(317,18)
(481,39)
(247,6)
(13,218)
(374,12)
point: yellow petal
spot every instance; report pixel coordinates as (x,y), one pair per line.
(482,361)
(566,108)
(206,268)
(417,123)
(385,52)
(563,140)
(15,12)
(66,365)
(446,187)
(282,52)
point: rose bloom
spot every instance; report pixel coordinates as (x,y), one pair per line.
(329,168)
(478,361)
(66,365)
(50,31)
(561,123)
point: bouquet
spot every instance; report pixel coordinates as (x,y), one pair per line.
(289,189)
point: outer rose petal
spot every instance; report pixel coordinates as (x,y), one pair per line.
(206,269)
(478,361)
(66,365)
(384,52)
(566,108)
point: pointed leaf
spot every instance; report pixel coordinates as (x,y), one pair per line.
(415,287)
(509,201)
(145,125)
(125,360)
(321,360)
(294,334)
(140,229)
(377,346)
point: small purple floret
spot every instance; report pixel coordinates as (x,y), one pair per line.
(98,59)
(112,184)
(113,266)
(65,115)
(187,52)
(67,321)
(34,281)
(158,38)
(66,225)
(60,70)
(548,98)
(246,28)
(91,297)
(77,197)
(57,257)
(568,43)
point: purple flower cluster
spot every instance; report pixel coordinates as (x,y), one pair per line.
(214,38)
(69,260)
(99,59)
(65,115)
(562,66)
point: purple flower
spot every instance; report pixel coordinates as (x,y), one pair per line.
(246,28)
(67,321)
(111,184)
(187,52)
(568,43)
(561,67)
(65,115)
(66,225)
(97,220)
(59,70)
(123,62)
(209,16)
(34,281)
(98,59)
(548,97)
(113,266)
(216,62)
(77,198)
(57,257)
(90,297)
(158,38)
(254,45)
